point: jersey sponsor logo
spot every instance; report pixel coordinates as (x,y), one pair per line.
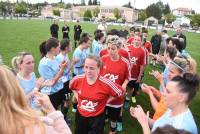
(88,105)
(134,60)
(112,77)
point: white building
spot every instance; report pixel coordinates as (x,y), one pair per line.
(77,12)
(181,20)
(182,11)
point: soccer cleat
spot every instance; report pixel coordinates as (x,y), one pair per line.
(133,99)
(119,126)
(74,110)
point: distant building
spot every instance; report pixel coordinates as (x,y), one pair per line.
(77,12)
(47,11)
(181,20)
(150,21)
(182,11)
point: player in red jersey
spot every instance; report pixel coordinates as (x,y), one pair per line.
(138,60)
(147,45)
(122,52)
(117,69)
(93,92)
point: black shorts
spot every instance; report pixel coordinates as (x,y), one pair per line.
(133,84)
(155,49)
(66,87)
(58,98)
(113,113)
(89,125)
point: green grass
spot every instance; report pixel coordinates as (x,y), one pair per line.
(26,35)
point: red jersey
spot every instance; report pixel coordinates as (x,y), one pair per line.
(130,40)
(147,45)
(92,99)
(137,59)
(118,72)
(122,52)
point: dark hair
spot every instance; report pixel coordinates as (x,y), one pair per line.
(98,36)
(171,51)
(123,34)
(97,31)
(179,45)
(132,29)
(64,43)
(188,83)
(168,129)
(137,30)
(113,32)
(84,38)
(164,31)
(144,30)
(47,45)
(169,39)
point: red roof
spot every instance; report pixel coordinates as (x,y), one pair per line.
(184,9)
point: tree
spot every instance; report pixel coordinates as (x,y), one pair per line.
(96,11)
(160,5)
(154,10)
(142,15)
(128,5)
(82,2)
(56,12)
(3,8)
(87,15)
(21,8)
(166,9)
(117,13)
(68,5)
(95,2)
(90,2)
(170,18)
(196,20)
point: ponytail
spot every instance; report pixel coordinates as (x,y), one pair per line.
(42,48)
(15,64)
(189,84)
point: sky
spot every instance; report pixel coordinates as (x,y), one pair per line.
(139,4)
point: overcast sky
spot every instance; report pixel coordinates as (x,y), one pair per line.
(140,4)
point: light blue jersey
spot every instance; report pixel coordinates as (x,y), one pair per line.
(183,121)
(28,86)
(81,56)
(96,48)
(94,42)
(165,76)
(48,69)
(67,74)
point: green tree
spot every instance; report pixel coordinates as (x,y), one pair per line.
(166,9)
(128,5)
(3,8)
(160,5)
(56,12)
(87,15)
(196,20)
(96,11)
(90,2)
(68,5)
(117,13)
(95,2)
(154,10)
(21,8)
(82,2)
(142,15)
(170,17)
